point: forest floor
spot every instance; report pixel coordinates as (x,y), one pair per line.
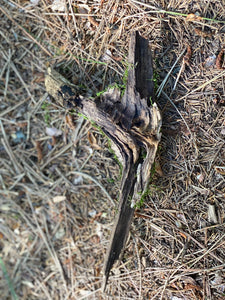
(58,176)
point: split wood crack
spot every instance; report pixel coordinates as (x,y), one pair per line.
(132,123)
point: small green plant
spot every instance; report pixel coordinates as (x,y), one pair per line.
(98,94)
(125,76)
(82,115)
(140,203)
(110,180)
(155,80)
(148,192)
(45,106)
(120,87)
(152,173)
(151,101)
(143,153)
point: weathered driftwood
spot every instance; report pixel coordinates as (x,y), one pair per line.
(133,125)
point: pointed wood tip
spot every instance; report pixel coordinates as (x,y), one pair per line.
(104,283)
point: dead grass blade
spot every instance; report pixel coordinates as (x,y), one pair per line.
(56,239)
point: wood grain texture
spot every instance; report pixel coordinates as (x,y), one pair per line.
(132,124)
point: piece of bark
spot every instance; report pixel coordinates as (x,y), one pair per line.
(133,125)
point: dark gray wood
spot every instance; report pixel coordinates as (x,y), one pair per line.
(132,123)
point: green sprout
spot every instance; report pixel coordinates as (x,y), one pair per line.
(120,87)
(151,101)
(144,195)
(45,106)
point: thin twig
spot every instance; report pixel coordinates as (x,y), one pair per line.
(161,87)
(24,30)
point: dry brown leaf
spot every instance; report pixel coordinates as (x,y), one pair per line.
(190,286)
(39,77)
(39,150)
(97,271)
(219,60)
(117,58)
(69,122)
(92,20)
(183,234)
(202,33)
(218,100)
(24,2)
(186,283)
(188,55)
(53,141)
(158,169)
(22,124)
(193,17)
(92,140)
(101,4)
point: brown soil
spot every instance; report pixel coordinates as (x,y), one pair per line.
(57,187)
